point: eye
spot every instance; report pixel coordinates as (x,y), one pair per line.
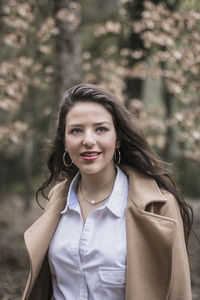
(75,130)
(102,129)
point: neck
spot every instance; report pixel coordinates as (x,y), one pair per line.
(100,183)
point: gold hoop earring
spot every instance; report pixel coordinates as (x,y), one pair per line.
(64,161)
(117,156)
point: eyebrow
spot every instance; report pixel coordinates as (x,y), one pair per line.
(96,124)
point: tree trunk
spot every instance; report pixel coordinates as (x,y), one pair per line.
(169,135)
(28,154)
(134,86)
(68,45)
(2,173)
(2,158)
(29,113)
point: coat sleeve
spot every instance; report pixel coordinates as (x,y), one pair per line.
(180,285)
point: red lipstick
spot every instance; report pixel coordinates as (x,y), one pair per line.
(90,155)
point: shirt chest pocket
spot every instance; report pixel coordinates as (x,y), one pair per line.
(112,277)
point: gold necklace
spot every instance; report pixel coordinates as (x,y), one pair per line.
(93,202)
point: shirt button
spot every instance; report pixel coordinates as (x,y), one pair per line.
(120,280)
(83,295)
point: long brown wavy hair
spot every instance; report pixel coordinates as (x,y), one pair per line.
(134,148)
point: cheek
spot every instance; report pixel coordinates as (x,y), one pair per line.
(110,142)
(71,143)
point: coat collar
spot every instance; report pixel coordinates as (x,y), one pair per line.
(143,189)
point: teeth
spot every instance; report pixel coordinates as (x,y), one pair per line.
(90,154)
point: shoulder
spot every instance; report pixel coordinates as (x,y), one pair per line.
(56,188)
(172,208)
(145,193)
(58,195)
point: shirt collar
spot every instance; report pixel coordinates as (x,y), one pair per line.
(72,199)
(116,203)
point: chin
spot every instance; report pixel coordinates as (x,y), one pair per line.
(94,169)
(90,171)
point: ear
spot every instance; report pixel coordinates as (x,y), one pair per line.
(118,143)
(65,146)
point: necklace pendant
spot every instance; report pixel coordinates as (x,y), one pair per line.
(92,202)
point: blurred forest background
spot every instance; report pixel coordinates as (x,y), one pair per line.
(146,52)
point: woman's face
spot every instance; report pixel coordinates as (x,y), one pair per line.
(90,137)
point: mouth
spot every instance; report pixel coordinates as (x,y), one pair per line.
(90,155)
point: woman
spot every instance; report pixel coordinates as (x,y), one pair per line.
(115,226)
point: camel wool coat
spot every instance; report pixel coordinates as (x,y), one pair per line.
(157,262)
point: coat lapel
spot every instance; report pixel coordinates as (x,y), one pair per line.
(149,241)
(39,235)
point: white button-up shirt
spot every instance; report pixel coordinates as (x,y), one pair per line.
(89,262)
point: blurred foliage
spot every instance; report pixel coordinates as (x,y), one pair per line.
(191,4)
(188,177)
(170,58)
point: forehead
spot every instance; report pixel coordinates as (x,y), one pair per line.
(88,111)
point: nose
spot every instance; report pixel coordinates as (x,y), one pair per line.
(89,138)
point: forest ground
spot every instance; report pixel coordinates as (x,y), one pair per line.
(14,258)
